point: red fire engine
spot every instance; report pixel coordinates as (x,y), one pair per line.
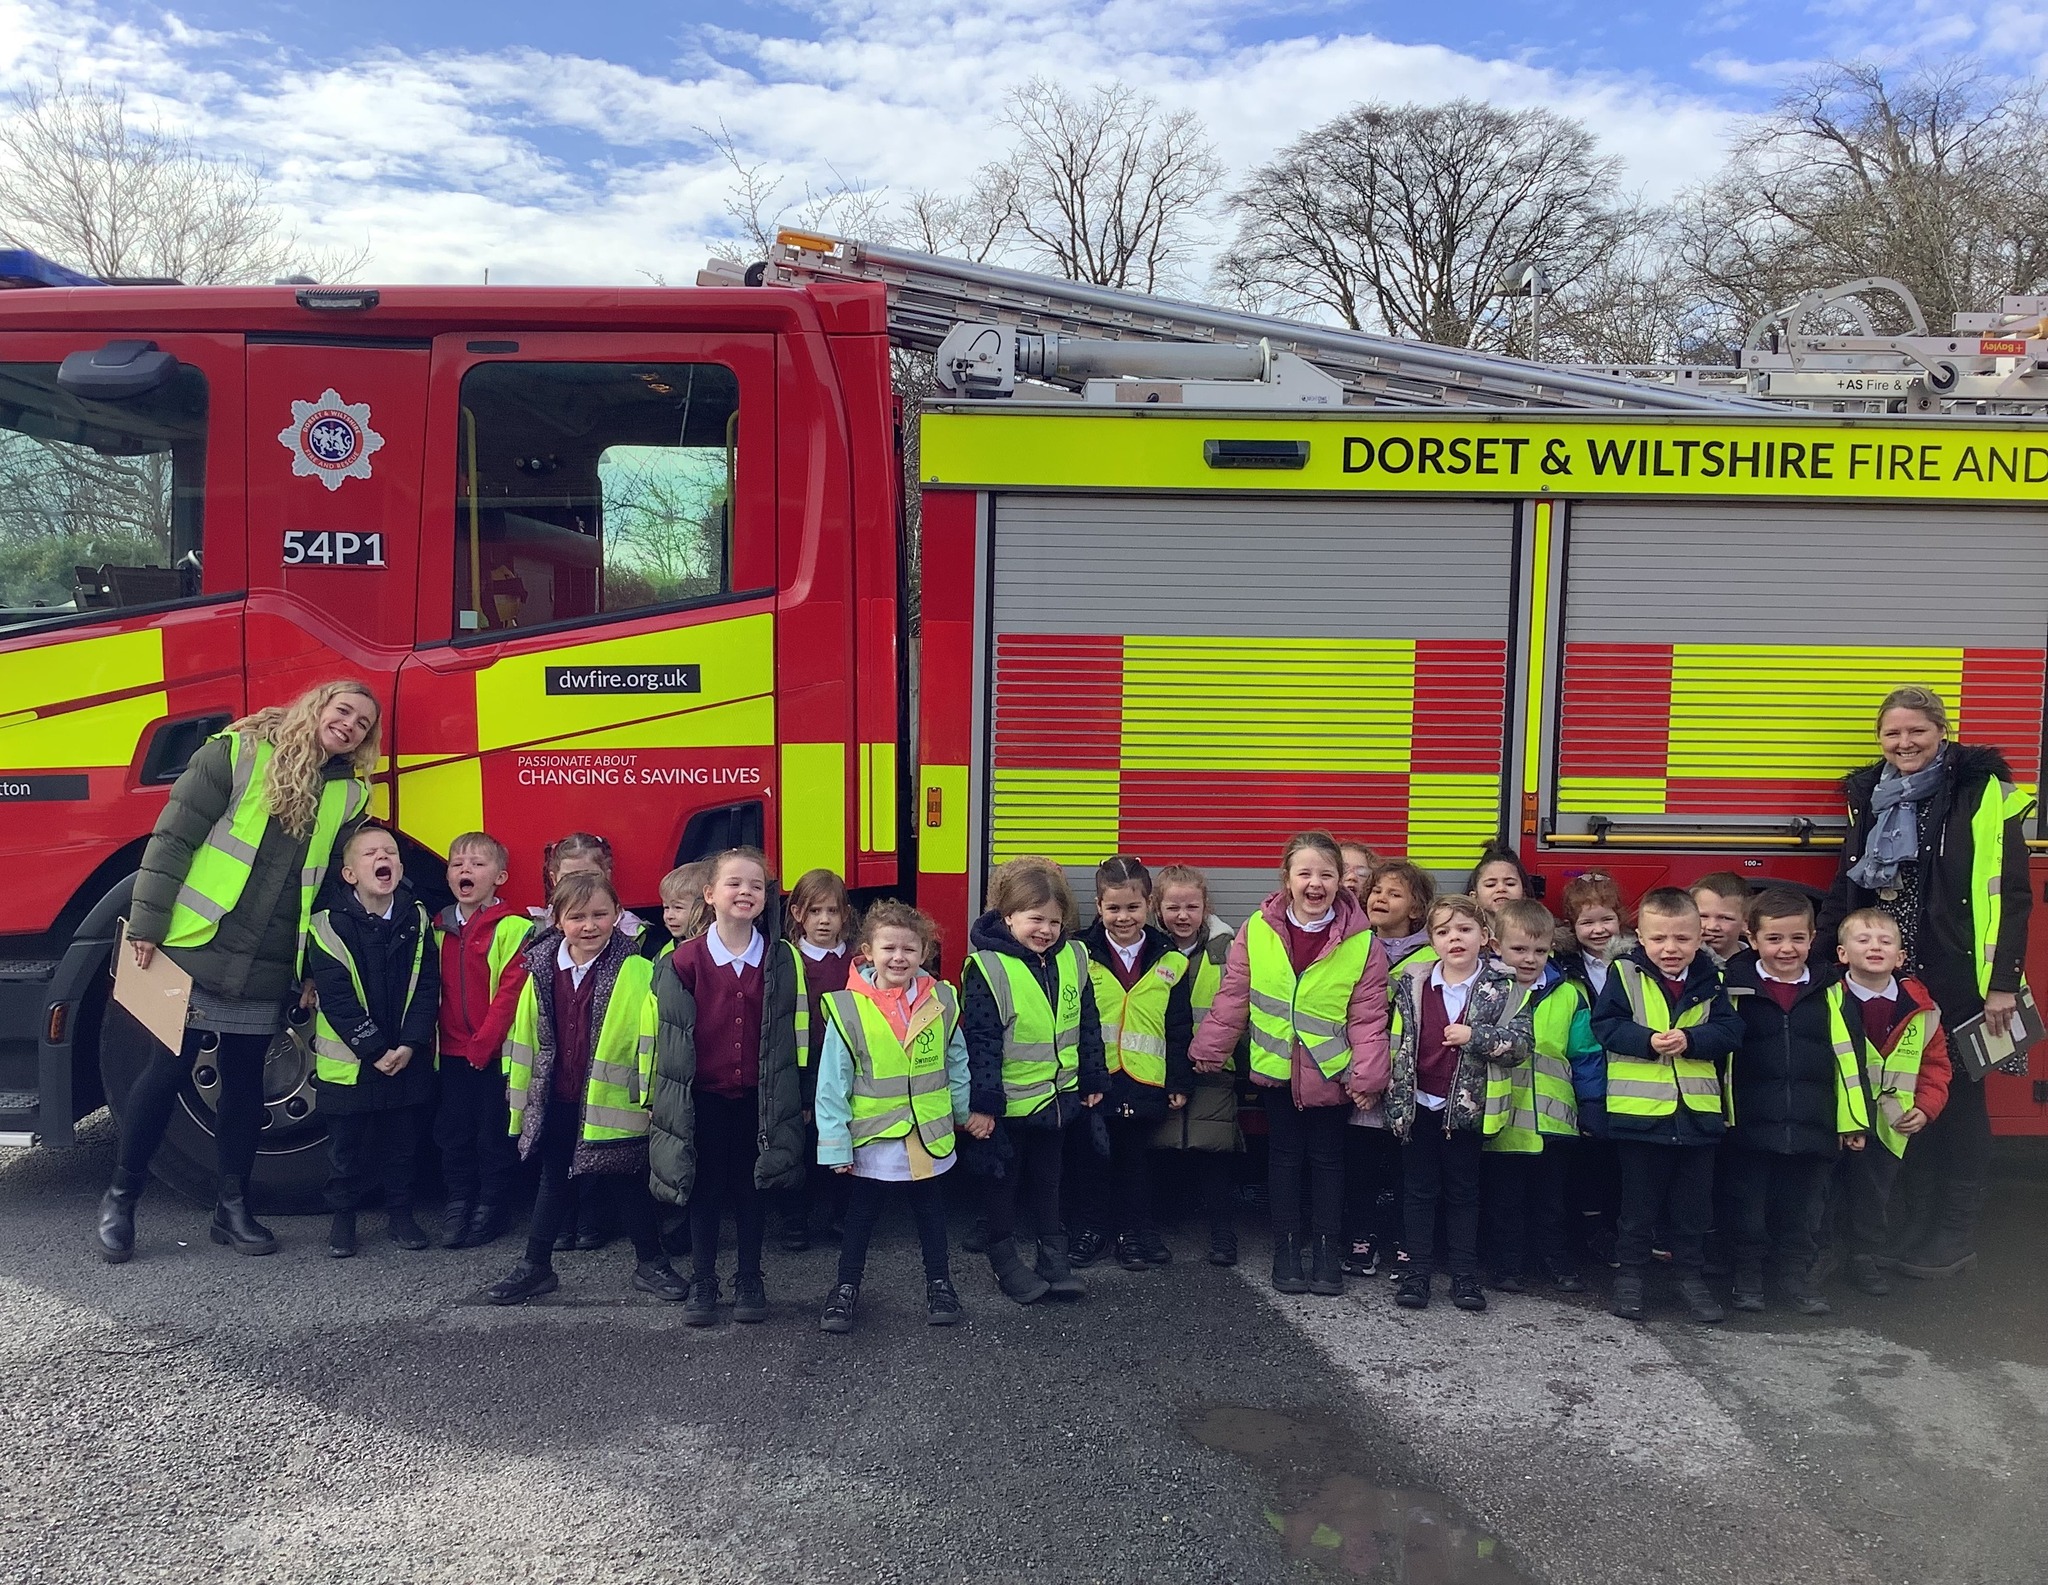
(634,561)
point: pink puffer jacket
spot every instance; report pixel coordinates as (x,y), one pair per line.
(1365,1018)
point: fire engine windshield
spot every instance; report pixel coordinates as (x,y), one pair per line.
(100,502)
(587,489)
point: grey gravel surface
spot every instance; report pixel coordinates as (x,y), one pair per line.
(199,1416)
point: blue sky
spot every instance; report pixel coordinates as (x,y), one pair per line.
(569,142)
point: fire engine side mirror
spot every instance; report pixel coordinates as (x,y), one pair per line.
(118,372)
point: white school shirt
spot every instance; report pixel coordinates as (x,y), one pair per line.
(1596,971)
(1890,993)
(820,954)
(1130,953)
(751,958)
(576,970)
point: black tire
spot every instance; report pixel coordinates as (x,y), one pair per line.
(291,1155)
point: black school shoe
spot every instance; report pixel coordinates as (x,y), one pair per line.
(524,1281)
(455,1224)
(487,1224)
(1468,1294)
(941,1303)
(1222,1246)
(1564,1276)
(839,1308)
(1698,1298)
(404,1231)
(1627,1301)
(341,1235)
(1508,1282)
(1086,1248)
(1413,1293)
(701,1308)
(749,1298)
(1128,1253)
(1154,1249)
(662,1280)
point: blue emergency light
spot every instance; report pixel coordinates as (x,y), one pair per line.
(20,267)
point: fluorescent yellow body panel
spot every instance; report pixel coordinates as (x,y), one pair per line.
(1067,815)
(813,808)
(58,672)
(942,849)
(1506,454)
(99,735)
(1450,818)
(442,801)
(1267,704)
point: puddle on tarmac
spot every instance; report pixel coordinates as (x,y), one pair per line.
(1329,1514)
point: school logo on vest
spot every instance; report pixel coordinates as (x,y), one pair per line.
(1070,1001)
(330,440)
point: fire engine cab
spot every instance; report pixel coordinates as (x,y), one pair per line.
(636,562)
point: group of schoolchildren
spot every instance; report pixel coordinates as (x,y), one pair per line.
(1460,1072)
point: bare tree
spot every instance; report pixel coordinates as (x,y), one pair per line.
(1106,189)
(1931,178)
(1403,218)
(85,183)
(761,203)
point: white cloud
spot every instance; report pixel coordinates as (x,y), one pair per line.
(442,161)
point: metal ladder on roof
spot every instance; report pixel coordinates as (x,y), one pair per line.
(929,296)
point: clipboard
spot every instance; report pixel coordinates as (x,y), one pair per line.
(158,997)
(1979,1051)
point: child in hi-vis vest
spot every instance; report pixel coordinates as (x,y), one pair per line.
(370,954)
(1034,1057)
(481,976)
(892,1084)
(1532,1117)
(579,1072)
(1668,1031)
(1308,979)
(1134,969)
(1207,1126)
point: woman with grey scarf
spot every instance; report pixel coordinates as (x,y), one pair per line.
(1937,839)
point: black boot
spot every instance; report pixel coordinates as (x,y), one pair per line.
(235,1227)
(1628,1296)
(455,1223)
(117,1216)
(1017,1280)
(486,1225)
(1053,1266)
(341,1235)
(405,1232)
(1326,1267)
(1287,1277)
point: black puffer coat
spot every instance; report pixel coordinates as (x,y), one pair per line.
(1945,940)
(1784,1070)
(383,1017)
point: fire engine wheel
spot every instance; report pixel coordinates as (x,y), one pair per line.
(291,1154)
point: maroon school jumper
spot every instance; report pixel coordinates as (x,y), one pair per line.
(1436,1063)
(728,1030)
(572,1034)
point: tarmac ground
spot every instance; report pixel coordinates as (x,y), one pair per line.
(198,1416)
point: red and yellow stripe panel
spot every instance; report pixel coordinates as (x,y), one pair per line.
(1214,750)
(1766,730)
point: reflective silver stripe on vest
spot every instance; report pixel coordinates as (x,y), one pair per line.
(335,1051)
(865,1130)
(1042,1091)
(1637,1090)
(1557,1111)
(1271,1006)
(624,1119)
(1706,1084)
(625,1075)
(1144,1045)
(1273,1045)
(869,1089)
(1308,1024)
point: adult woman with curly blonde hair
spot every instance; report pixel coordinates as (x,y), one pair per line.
(226,889)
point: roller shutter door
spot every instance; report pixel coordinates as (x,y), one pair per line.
(1723,664)
(1194,679)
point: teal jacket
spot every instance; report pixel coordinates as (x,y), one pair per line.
(833,1108)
